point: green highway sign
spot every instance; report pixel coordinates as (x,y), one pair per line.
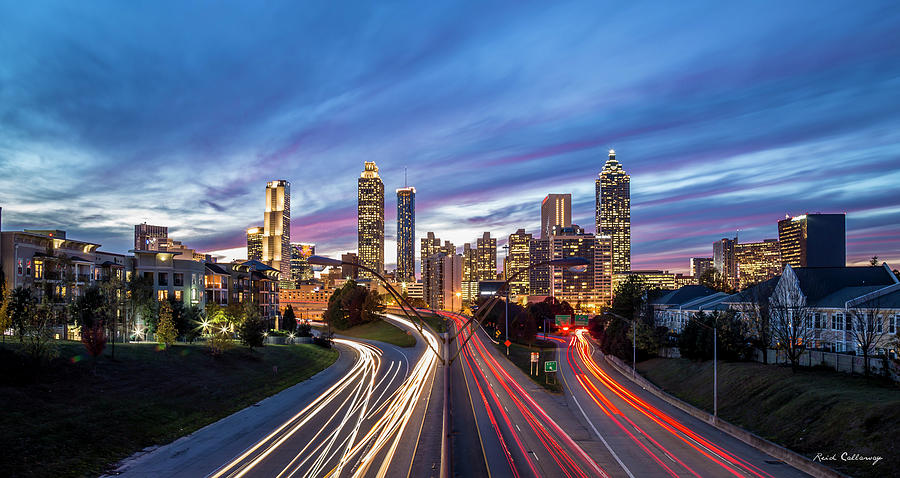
(550,366)
(563,319)
(581,319)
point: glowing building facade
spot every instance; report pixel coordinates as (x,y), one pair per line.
(613,211)
(757,262)
(254,243)
(699,265)
(469,272)
(370,220)
(574,286)
(406,234)
(556,210)
(301,270)
(487,257)
(150,238)
(517,260)
(276,239)
(813,240)
(724,260)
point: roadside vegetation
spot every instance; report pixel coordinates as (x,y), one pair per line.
(381,331)
(520,355)
(77,415)
(354,311)
(809,411)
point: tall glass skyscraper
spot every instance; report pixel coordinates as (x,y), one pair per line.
(254,243)
(406,234)
(370,220)
(276,240)
(613,211)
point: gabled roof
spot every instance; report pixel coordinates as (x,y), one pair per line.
(683,295)
(887,301)
(840,297)
(759,291)
(255,265)
(215,268)
(819,282)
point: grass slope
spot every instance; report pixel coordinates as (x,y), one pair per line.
(381,331)
(74,420)
(520,355)
(810,412)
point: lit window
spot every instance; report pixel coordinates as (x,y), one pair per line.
(177,295)
(162,294)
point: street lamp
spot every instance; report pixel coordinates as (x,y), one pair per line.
(633,340)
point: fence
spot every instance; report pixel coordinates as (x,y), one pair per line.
(837,361)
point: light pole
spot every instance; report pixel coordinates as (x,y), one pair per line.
(506,312)
(633,340)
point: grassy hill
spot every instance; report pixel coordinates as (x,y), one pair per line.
(810,412)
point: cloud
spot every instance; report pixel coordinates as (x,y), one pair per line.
(727,117)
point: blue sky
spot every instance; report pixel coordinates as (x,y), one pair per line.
(727,115)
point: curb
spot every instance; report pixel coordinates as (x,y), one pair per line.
(790,457)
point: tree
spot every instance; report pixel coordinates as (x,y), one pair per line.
(165,331)
(94,340)
(5,319)
(352,305)
(22,306)
(252,328)
(628,314)
(873,261)
(757,311)
(866,324)
(193,320)
(113,292)
(714,279)
(217,328)
(290,320)
(524,327)
(792,319)
(139,300)
(88,309)
(39,332)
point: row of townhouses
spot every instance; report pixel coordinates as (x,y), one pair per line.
(48,262)
(831,305)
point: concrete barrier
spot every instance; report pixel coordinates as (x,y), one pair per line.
(792,458)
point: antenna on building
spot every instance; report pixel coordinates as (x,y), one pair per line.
(405,182)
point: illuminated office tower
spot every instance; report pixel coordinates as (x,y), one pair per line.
(757,262)
(406,234)
(574,286)
(613,211)
(370,220)
(276,240)
(150,238)
(254,243)
(556,210)
(518,259)
(469,272)
(487,257)
(724,260)
(301,270)
(603,275)
(699,265)
(539,275)
(813,240)
(442,281)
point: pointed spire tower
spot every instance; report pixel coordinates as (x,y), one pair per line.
(613,211)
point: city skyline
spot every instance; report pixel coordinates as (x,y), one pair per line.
(832,150)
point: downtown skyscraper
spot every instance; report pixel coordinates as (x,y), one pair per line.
(556,210)
(254,243)
(406,234)
(613,211)
(276,239)
(370,220)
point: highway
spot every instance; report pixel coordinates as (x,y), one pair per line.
(499,429)
(647,436)
(367,423)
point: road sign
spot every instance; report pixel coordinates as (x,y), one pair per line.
(534,357)
(563,319)
(550,366)
(581,319)
(507,343)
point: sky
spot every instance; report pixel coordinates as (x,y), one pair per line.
(727,115)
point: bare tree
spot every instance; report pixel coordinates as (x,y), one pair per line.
(866,325)
(755,309)
(792,320)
